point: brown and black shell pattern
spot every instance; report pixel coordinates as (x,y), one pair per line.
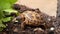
(31,18)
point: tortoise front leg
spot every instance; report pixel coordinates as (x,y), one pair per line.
(22,26)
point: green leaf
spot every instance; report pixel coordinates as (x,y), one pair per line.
(6,19)
(12,2)
(1,24)
(5,4)
(1,29)
(1,14)
(0,21)
(9,11)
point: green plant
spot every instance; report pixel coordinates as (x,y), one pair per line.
(5,6)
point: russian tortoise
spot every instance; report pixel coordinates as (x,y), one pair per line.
(32,18)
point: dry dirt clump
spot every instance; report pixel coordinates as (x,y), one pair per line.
(30,21)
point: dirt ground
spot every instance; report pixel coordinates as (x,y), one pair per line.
(47,6)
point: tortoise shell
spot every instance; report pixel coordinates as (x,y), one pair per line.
(31,18)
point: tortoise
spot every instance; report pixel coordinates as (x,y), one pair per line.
(32,17)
